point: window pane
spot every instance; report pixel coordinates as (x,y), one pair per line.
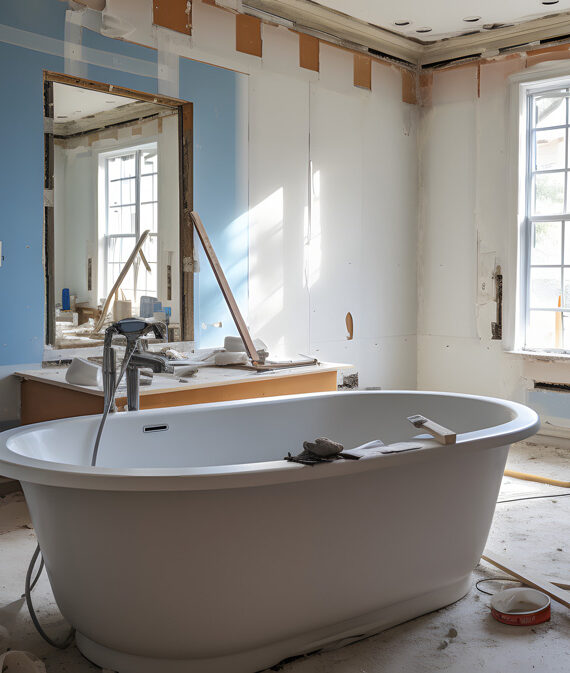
(545,287)
(128,191)
(550,149)
(148,217)
(566,294)
(128,165)
(115,193)
(148,188)
(548,194)
(549,111)
(149,162)
(543,329)
(147,283)
(114,221)
(128,219)
(118,251)
(546,244)
(114,168)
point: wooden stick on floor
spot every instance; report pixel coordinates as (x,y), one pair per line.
(528,578)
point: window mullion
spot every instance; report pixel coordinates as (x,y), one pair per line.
(137,217)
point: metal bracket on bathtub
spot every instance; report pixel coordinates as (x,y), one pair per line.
(441,434)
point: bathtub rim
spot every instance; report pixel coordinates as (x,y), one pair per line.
(15,465)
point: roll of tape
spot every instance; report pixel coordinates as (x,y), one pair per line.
(520,606)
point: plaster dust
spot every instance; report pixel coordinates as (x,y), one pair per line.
(461,638)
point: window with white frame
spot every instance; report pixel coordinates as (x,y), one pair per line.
(547,220)
(131,208)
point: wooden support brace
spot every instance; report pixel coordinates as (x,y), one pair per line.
(225,288)
(115,289)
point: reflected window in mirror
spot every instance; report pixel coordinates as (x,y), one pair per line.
(130,184)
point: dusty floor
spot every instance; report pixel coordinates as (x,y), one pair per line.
(460,638)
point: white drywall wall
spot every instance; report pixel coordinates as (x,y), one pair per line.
(349,245)
(360,255)
(365,146)
(467,223)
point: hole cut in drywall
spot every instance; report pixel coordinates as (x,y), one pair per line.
(362,71)
(547,385)
(308,52)
(248,34)
(173,14)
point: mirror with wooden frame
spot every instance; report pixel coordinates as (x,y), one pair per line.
(118,193)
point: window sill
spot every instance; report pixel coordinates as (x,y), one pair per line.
(546,356)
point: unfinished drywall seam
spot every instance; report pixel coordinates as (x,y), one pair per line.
(168,64)
(73,56)
(54,47)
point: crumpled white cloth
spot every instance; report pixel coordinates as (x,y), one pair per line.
(18,661)
(377,448)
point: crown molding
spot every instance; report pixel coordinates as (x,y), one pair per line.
(489,42)
(307,16)
(314,17)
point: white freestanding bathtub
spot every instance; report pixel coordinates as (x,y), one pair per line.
(194,548)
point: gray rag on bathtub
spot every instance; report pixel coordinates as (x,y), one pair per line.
(324,450)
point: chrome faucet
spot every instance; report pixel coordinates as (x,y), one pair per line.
(136,357)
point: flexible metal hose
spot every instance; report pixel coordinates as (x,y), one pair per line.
(29,585)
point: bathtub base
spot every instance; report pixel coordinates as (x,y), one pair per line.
(327,638)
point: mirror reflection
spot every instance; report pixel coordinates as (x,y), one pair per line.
(116,214)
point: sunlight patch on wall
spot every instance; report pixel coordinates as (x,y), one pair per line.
(266,274)
(312,229)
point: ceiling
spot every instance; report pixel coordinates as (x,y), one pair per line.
(72,102)
(442,17)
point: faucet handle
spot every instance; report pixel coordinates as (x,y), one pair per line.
(134,328)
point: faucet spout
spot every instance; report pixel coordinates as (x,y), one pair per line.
(135,358)
(139,360)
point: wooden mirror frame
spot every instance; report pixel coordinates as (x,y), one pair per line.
(186,204)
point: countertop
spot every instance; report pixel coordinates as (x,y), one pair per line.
(206,377)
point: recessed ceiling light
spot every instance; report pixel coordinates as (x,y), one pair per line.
(472,19)
(402,22)
(549,2)
(424,29)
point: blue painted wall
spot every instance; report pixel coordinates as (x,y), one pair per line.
(222,205)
